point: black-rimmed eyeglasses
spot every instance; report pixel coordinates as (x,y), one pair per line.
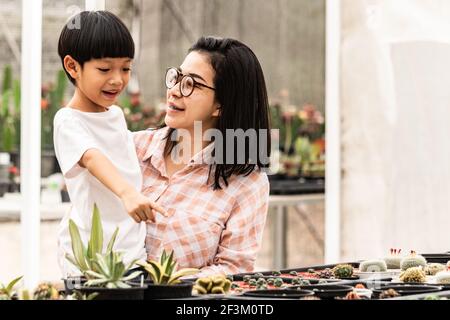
(187,82)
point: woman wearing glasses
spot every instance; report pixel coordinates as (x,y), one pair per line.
(213,188)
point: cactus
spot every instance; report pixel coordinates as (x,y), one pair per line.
(390,293)
(432,269)
(414,274)
(46,291)
(247,278)
(276,273)
(443,277)
(278,282)
(326,274)
(293,273)
(394,259)
(215,284)
(252,283)
(343,271)
(414,260)
(373,266)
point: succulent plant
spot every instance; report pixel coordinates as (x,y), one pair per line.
(322,281)
(247,278)
(165,271)
(111,272)
(432,269)
(413,260)
(293,273)
(343,271)
(296,281)
(304,282)
(46,291)
(8,292)
(278,282)
(214,284)
(77,295)
(276,273)
(390,293)
(373,266)
(414,274)
(310,270)
(325,274)
(252,283)
(394,259)
(261,281)
(270,281)
(258,275)
(443,277)
(84,258)
(230,277)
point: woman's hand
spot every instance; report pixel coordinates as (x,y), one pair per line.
(139,207)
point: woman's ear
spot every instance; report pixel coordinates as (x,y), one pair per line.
(216,113)
(71,66)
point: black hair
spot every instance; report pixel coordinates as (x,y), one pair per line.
(241,92)
(95,35)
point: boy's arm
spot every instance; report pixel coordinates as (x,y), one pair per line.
(138,206)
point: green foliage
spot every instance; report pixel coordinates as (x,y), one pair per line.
(8,292)
(111,272)
(84,258)
(9,112)
(165,271)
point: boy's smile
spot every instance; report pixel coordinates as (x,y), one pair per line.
(100,82)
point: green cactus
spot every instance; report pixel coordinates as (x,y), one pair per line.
(393,262)
(278,282)
(373,266)
(214,284)
(343,271)
(293,273)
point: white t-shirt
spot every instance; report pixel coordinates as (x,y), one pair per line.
(75,132)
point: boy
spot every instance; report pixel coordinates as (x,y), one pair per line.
(95,151)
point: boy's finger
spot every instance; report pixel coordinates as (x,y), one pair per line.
(149,214)
(142,215)
(159,209)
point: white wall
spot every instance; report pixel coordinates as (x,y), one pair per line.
(395,134)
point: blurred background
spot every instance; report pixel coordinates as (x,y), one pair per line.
(392,113)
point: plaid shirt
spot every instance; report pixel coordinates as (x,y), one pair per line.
(216,231)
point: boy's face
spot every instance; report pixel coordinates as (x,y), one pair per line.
(101,81)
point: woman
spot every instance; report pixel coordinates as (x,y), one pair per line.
(216,208)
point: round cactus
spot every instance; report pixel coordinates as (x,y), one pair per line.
(343,271)
(393,262)
(414,274)
(432,269)
(443,277)
(214,284)
(412,261)
(373,266)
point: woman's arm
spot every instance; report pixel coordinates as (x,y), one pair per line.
(241,239)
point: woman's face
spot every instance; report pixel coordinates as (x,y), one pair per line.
(182,112)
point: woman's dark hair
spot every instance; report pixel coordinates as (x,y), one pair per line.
(241,92)
(95,35)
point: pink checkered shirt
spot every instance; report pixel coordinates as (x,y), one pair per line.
(217,231)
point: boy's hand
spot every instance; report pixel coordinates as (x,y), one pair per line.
(139,207)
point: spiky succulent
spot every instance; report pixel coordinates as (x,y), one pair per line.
(46,291)
(8,292)
(213,284)
(432,269)
(415,275)
(413,260)
(84,258)
(373,266)
(443,277)
(278,282)
(111,272)
(166,270)
(343,271)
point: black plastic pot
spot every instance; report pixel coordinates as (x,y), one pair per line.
(133,293)
(71,282)
(407,289)
(165,291)
(326,291)
(279,294)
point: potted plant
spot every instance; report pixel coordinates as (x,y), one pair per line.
(104,273)
(164,279)
(8,292)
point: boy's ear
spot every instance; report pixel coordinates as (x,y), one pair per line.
(71,66)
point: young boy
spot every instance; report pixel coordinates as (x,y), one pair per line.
(95,150)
